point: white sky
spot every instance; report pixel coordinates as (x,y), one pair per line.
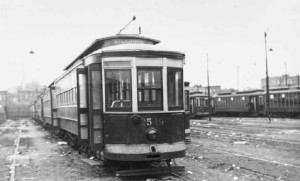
(231,32)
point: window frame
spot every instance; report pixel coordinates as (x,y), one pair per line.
(143,68)
(180,107)
(187,100)
(118,109)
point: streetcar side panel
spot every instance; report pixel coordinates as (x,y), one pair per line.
(47,107)
(66,102)
(285,103)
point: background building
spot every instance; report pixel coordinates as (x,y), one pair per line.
(213,89)
(281,81)
(16,101)
(3,98)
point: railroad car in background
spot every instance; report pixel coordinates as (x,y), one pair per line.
(46,108)
(121,99)
(285,102)
(33,111)
(198,105)
(49,110)
(250,103)
(39,110)
(187,112)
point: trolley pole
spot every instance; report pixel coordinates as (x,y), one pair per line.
(238,74)
(208,90)
(267,82)
(286,75)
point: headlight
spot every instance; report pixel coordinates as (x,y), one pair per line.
(152,134)
(136,119)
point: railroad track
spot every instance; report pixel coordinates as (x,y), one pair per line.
(157,171)
(17,127)
(204,129)
(236,125)
(175,174)
(249,139)
(247,158)
(116,172)
(4,126)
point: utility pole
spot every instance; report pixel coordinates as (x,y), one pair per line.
(286,75)
(237,88)
(208,90)
(267,82)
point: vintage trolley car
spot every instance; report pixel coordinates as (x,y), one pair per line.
(198,105)
(239,104)
(122,99)
(284,102)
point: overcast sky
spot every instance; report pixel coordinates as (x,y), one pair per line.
(231,32)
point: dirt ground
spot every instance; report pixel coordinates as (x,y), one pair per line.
(244,149)
(223,149)
(28,152)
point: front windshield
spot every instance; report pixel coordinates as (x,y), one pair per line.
(149,87)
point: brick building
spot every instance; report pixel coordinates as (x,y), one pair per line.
(213,89)
(3,98)
(281,81)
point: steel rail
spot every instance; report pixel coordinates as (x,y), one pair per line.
(253,158)
(13,166)
(174,174)
(254,137)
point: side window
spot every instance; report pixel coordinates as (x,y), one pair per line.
(118,90)
(175,89)
(187,100)
(260,100)
(149,89)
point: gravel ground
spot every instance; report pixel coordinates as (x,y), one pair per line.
(244,149)
(39,156)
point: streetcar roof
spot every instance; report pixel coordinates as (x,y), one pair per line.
(135,48)
(261,93)
(242,95)
(192,95)
(285,91)
(111,41)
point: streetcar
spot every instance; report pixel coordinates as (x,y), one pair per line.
(283,102)
(198,105)
(121,99)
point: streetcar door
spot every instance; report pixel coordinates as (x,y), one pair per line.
(82,106)
(260,104)
(192,106)
(95,104)
(253,104)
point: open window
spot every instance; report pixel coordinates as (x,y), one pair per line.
(187,100)
(118,90)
